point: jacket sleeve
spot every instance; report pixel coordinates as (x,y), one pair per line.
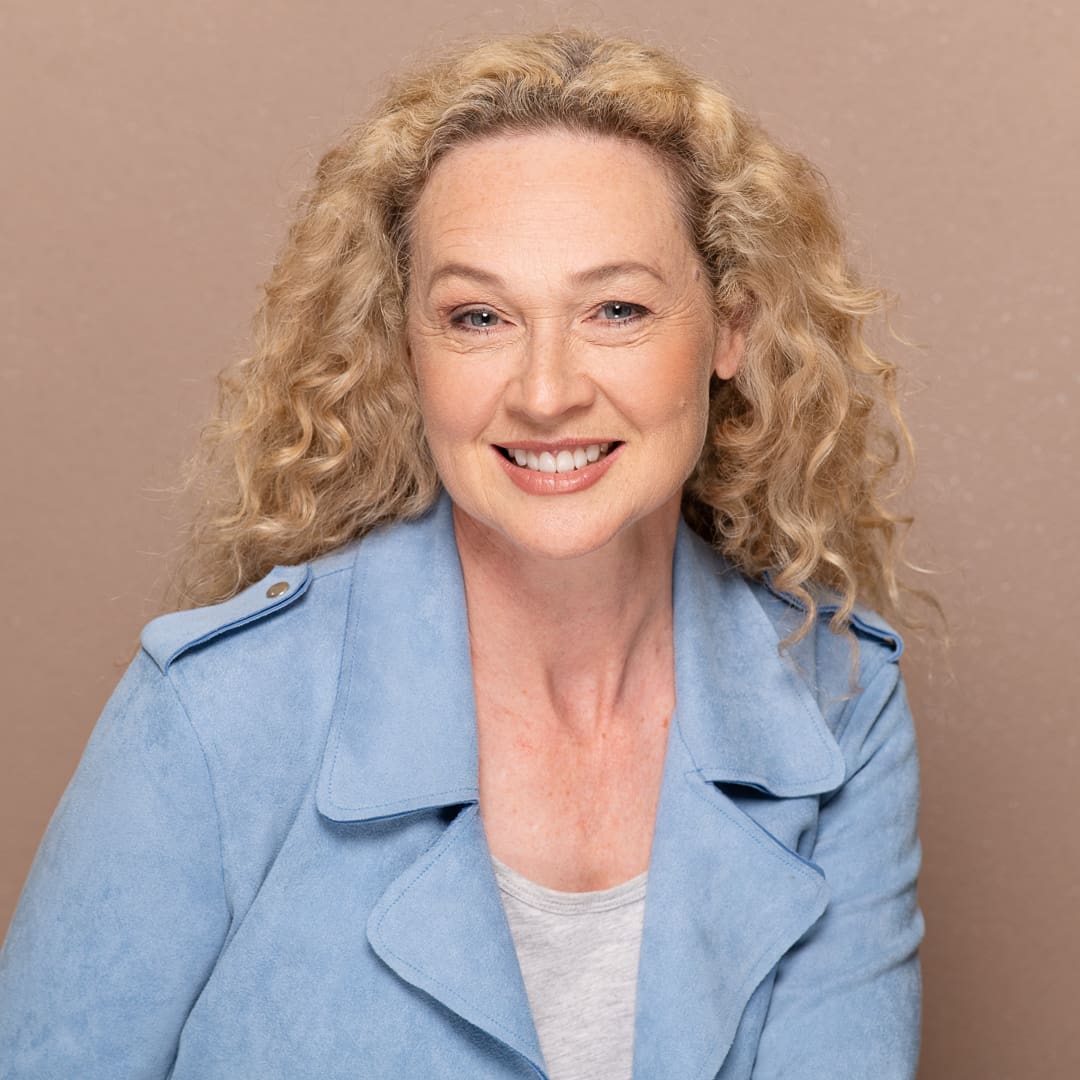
(124,911)
(847,999)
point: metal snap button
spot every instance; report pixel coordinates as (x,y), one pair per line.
(277,589)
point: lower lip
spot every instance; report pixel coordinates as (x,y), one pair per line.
(539,483)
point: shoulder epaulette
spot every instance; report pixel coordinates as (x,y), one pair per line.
(169,636)
(861,618)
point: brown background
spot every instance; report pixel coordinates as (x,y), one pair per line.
(151,153)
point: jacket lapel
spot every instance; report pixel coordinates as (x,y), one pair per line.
(441,926)
(403,739)
(725,899)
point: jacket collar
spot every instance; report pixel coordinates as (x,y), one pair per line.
(403,735)
(725,899)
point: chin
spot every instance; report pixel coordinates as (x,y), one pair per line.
(565,527)
(564,536)
(542,535)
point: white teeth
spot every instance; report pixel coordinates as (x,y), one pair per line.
(561,461)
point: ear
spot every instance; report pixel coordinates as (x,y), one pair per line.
(728,352)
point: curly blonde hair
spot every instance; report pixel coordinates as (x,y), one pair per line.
(318,435)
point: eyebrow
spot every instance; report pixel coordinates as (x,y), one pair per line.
(604,272)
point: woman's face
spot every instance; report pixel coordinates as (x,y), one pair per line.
(561,334)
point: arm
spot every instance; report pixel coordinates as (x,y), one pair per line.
(124,911)
(846,1001)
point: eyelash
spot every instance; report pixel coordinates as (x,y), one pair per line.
(639,312)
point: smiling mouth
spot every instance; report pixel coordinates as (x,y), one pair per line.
(557,461)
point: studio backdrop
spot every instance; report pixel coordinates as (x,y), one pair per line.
(151,157)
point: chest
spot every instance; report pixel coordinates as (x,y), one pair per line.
(568,813)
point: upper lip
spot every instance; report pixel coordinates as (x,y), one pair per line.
(554,445)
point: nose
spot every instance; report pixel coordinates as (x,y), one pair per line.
(550,378)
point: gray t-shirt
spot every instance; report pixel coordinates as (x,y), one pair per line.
(578,953)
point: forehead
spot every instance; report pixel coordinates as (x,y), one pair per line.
(554,197)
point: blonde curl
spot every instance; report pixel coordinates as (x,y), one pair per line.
(318,435)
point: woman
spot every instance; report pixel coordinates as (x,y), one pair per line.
(525,722)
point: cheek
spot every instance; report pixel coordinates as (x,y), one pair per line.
(669,390)
(455,397)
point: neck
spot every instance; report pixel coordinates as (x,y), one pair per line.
(581,645)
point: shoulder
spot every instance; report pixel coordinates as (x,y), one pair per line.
(868,648)
(873,634)
(258,671)
(255,678)
(257,610)
(854,675)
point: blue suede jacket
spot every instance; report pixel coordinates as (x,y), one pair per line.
(270,861)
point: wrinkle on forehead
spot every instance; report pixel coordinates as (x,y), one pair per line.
(559,198)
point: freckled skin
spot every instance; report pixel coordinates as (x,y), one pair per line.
(569,596)
(533,210)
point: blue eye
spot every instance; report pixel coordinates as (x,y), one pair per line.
(476,319)
(621,311)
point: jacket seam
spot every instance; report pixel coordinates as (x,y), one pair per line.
(213,790)
(320,574)
(846,716)
(822,737)
(366,807)
(344,679)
